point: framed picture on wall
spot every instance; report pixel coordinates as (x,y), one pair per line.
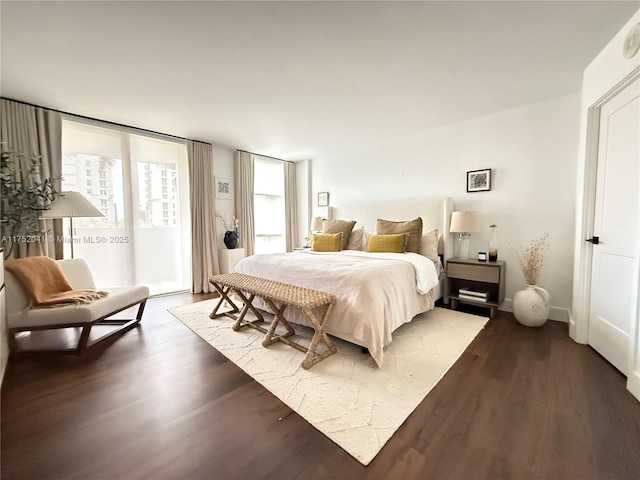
(323,199)
(479,180)
(223,187)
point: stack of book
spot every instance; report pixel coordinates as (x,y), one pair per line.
(475,295)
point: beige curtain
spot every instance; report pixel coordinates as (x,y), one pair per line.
(204,246)
(244,188)
(291,212)
(37,133)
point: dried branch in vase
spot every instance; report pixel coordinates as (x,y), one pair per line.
(531,259)
(228,225)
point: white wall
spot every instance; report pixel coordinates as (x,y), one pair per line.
(603,74)
(223,167)
(532,152)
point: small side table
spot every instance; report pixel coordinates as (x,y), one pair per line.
(229,258)
(488,277)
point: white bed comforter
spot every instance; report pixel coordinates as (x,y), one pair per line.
(375,292)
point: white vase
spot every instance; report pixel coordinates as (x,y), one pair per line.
(531,306)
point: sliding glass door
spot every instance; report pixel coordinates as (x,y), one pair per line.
(140,184)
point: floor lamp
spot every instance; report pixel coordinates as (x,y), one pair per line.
(463,223)
(71,205)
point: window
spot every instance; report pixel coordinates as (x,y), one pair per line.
(269,206)
(130,168)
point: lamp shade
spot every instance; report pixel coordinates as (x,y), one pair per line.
(316,224)
(71,204)
(464,222)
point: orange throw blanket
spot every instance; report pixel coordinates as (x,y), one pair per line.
(46,284)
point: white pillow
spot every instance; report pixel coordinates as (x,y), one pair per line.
(429,245)
(356,239)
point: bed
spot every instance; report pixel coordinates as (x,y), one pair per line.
(376,292)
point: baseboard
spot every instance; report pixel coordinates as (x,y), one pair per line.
(633,384)
(559,314)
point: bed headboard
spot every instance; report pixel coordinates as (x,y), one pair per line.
(435,213)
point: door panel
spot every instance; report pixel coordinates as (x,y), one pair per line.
(617,213)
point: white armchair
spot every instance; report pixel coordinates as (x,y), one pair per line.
(79,317)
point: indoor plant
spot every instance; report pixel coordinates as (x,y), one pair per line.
(23,195)
(531,305)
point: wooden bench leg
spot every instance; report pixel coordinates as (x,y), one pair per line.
(278,313)
(223,297)
(312,357)
(248,305)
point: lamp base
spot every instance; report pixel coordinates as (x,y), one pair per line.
(463,245)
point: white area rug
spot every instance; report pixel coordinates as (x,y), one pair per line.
(345,396)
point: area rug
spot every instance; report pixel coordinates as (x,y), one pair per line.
(345,396)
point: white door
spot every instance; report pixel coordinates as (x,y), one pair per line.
(617,213)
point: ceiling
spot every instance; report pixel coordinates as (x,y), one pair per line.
(298,80)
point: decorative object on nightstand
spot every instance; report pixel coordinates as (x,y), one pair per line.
(475,282)
(463,223)
(231,230)
(482,256)
(231,239)
(493,243)
(531,306)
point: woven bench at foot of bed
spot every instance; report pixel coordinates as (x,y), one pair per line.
(278,296)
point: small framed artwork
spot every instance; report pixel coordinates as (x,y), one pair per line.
(479,180)
(323,199)
(223,187)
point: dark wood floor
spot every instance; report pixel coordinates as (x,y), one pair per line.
(161,403)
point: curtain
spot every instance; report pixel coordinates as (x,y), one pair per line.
(35,132)
(290,202)
(204,248)
(244,187)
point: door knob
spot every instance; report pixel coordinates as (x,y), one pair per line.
(595,240)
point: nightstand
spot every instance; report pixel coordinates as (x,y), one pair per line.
(229,258)
(484,280)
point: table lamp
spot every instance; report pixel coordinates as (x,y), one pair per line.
(463,223)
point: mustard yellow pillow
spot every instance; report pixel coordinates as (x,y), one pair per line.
(327,242)
(394,243)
